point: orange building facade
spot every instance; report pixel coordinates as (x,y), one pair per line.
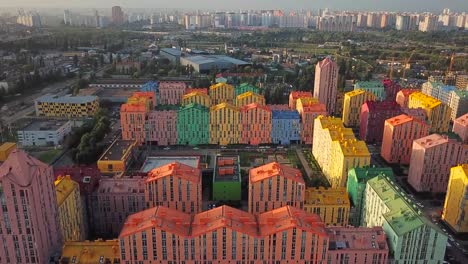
(293,96)
(274,185)
(255,124)
(308,116)
(133,115)
(176,186)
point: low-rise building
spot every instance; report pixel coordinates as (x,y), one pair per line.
(44,133)
(173,55)
(5,150)
(118,157)
(227,179)
(332,205)
(460,127)
(66,106)
(352,106)
(373,116)
(91,252)
(456,200)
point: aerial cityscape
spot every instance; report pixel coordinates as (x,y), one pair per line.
(210,132)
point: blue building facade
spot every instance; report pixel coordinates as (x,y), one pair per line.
(286,127)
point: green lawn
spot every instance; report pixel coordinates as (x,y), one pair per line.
(49,156)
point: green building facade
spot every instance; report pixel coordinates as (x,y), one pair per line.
(193,125)
(375,87)
(356,187)
(246,87)
(227,179)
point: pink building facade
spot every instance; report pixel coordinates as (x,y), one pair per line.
(162,127)
(132,119)
(32,233)
(326,83)
(398,136)
(294,95)
(391,89)
(170,93)
(308,116)
(402,97)
(114,201)
(372,119)
(431,160)
(460,127)
(357,245)
(255,124)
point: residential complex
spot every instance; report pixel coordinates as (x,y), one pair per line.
(295,95)
(285,127)
(456,206)
(133,116)
(352,106)
(411,237)
(27,183)
(66,106)
(326,83)
(398,136)
(372,119)
(44,133)
(249,98)
(161,127)
(438,113)
(275,185)
(193,125)
(224,124)
(90,252)
(117,157)
(246,87)
(460,127)
(402,97)
(171,93)
(455,98)
(255,124)
(176,186)
(70,209)
(332,205)
(196,97)
(227,180)
(222,93)
(376,88)
(431,159)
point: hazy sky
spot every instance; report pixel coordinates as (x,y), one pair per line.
(390,5)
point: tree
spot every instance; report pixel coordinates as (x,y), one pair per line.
(75,60)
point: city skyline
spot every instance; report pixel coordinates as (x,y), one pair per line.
(361,5)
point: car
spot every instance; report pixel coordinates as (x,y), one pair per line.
(223,147)
(167,148)
(443,229)
(195,148)
(280,147)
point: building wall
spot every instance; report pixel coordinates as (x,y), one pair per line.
(132,120)
(5,150)
(398,136)
(344,155)
(246,87)
(255,124)
(43,137)
(116,166)
(431,160)
(458,103)
(460,127)
(438,113)
(249,98)
(224,124)
(222,93)
(161,127)
(307,117)
(456,204)
(295,95)
(193,125)
(402,97)
(326,83)
(331,204)
(68,110)
(286,127)
(196,98)
(352,106)
(171,93)
(372,119)
(70,209)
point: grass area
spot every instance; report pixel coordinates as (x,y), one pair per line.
(49,156)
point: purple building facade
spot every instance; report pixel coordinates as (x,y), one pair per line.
(373,116)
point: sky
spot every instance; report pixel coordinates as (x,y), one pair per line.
(387,5)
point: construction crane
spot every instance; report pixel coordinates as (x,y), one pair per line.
(406,63)
(391,68)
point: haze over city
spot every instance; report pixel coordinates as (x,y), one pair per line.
(395,5)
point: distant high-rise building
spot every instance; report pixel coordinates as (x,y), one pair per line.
(326,83)
(29,227)
(29,19)
(67,20)
(403,22)
(429,23)
(97,19)
(117,15)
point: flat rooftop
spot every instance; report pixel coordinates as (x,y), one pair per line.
(159,161)
(67,99)
(44,125)
(356,238)
(99,252)
(117,150)
(227,169)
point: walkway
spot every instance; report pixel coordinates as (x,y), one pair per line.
(304,162)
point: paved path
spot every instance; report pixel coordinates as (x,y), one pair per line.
(304,162)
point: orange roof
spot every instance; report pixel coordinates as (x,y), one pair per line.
(407,92)
(400,119)
(299,94)
(274,169)
(200,90)
(132,108)
(224,216)
(251,106)
(287,217)
(315,108)
(307,101)
(175,169)
(159,217)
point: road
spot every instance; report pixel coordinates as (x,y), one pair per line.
(304,162)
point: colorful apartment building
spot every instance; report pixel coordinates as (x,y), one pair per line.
(222,93)
(460,127)
(456,99)
(113,201)
(357,245)
(91,252)
(223,235)
(249,98)
(377,88)
(5,150)
(352,106)
(456,200)
(32,233)
(224,124)
(193,125)
(326,83)
(308,115)
(356,187)
(373,116)
(171,93)
(196,98)
(133,116)
(66,106)
(285,126)
(402,97)
(70,209)
(175,185)
(161,127)
(255,124)
(398,136)
(199,90)
(332,205)
(411,237)
(295,95)
(227,182)
(117,158)
(275,185)
(438,114)
(246,87)
(459,103)
(391,89)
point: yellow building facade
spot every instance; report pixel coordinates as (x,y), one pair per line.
(71,214)
(224,124)
(332,205)
(456,200)
(222,93)
(196,98)
(249,98)
(5,150)
(352,106)
(91,252)
(67,106)
(303,102)
(438,113)
(117,157)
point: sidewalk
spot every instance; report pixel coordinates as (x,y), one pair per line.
(304,162)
